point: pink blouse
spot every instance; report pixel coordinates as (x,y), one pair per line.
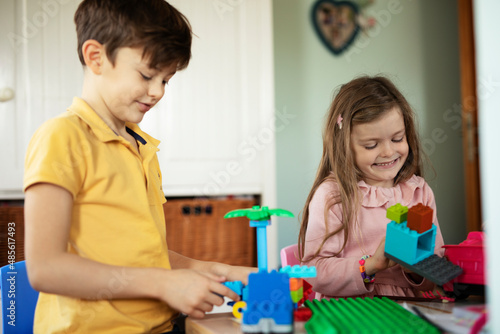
(339,276)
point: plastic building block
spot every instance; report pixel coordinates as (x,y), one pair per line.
(236,286)
(469,255)
(299,271)
(302,314)
(308,294)
(259,218)
(397,213)
(434,268)
(296,283)
(297,295)
(420,218)
(238,308)
(368,315)
(413,247)
(269,304)
(258,213)
(407,245)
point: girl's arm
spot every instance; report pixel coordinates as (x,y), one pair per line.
(336,276)
(51,269)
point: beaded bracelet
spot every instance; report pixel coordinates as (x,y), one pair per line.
(366,278)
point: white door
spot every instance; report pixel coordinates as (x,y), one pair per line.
(11,166)
(38,61)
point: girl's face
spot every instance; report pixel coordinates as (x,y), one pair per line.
(380,148)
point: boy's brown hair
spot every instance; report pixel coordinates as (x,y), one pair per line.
(160,29)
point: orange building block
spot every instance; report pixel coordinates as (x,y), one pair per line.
(419,218)
(295,284)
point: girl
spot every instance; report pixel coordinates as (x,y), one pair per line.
(371,161)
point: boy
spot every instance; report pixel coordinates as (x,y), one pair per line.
(95,229)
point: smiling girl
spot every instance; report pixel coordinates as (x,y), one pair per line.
(371,161)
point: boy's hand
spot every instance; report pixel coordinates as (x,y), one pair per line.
(194,293)
(232,273)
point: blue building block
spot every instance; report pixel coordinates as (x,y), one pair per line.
(407,245)
(298,271)
(236,286)
(261,226)
(269,304)
(397,213)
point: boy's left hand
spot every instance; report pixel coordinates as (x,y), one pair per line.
(232,273)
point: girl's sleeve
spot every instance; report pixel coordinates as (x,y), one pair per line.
(336,276)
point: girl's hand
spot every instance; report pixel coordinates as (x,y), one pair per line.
(192,292)
(378,261)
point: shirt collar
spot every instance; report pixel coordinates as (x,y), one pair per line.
(101,130)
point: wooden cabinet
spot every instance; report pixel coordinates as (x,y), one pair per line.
(11,234)
(197,229)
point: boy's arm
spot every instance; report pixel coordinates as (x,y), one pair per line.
(228,272)
(51,269)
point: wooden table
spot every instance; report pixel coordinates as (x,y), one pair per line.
(216,323)
(439,313)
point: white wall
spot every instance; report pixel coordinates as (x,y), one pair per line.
(488,73)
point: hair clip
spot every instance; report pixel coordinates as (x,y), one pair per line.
(339,122)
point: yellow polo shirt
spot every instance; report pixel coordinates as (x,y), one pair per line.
(117,217)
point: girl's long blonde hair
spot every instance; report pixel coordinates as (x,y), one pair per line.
(362,100)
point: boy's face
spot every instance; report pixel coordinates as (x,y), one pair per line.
(380,148)
(130,88)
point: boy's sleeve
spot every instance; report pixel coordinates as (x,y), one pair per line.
(56,154)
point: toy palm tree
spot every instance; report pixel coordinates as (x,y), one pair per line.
(260,218)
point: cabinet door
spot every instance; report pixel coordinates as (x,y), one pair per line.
(38,60)
(216,121)
(11,167)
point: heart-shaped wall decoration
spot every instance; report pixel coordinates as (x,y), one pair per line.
(336,23)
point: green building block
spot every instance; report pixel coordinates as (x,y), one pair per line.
(397,213)
(363,315)
(297,294)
